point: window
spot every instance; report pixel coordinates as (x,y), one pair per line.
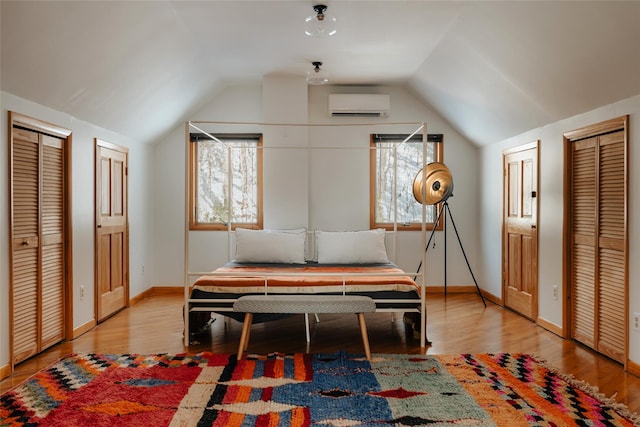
(226,181)
(409,158)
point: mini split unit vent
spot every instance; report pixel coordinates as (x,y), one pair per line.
(358,105)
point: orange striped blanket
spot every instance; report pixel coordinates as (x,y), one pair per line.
(306,279)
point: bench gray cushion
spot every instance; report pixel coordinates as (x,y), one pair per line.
(304,304)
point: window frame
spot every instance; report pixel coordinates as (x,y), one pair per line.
(438,140)
(193,183)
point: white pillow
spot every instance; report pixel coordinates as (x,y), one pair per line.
(299,230)
(351,247)
(269,246)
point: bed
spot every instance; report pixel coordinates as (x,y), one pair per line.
(388,285)
(269,262)
(306,260)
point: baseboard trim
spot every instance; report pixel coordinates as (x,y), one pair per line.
(83,328)
(5,371)
(136,299)
(551,327)
(167,290)
(633,368)
(157,291)
(491,297)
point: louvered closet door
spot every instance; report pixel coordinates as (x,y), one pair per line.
(25,263)
(611,247)
(52,255)
(38,274)
(598,243)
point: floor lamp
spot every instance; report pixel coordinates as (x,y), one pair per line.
(432,185)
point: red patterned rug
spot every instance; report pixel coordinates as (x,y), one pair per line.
(331,390)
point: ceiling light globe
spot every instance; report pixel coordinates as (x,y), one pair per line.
(317,76)
(317,81)
(321,24)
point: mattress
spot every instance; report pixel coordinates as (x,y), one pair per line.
(310,278)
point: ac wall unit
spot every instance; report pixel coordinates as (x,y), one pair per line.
(359,105)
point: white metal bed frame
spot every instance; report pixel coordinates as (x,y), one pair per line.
(421,127)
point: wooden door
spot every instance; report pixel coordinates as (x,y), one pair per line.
(39,250)
(25,268)
(52,241)
(597,261)
(520,241)
(583,254)
(112,241)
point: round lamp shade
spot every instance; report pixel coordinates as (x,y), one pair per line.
(438,184)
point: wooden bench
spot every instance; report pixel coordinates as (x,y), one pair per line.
(302,304)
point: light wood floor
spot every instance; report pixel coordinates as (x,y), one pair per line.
(457,324)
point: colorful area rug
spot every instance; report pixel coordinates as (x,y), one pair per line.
(305,390)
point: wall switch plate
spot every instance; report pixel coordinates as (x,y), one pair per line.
(81,292)
(555,292)
(636,322)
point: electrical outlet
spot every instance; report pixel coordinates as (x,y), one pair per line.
(636,322)
(555,292)
(81,292)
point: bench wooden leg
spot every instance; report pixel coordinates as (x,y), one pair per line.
(365,336)
(244,336)
(246,339)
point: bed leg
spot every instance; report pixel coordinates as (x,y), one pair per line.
(244,336)
(306,326)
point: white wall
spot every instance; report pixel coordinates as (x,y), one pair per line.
(338,181)
(551,209)
(82,193)
(285,171)
(235,103)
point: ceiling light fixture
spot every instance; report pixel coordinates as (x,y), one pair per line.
(320,24)
(317,76)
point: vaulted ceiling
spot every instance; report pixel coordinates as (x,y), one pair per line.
(492,69)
